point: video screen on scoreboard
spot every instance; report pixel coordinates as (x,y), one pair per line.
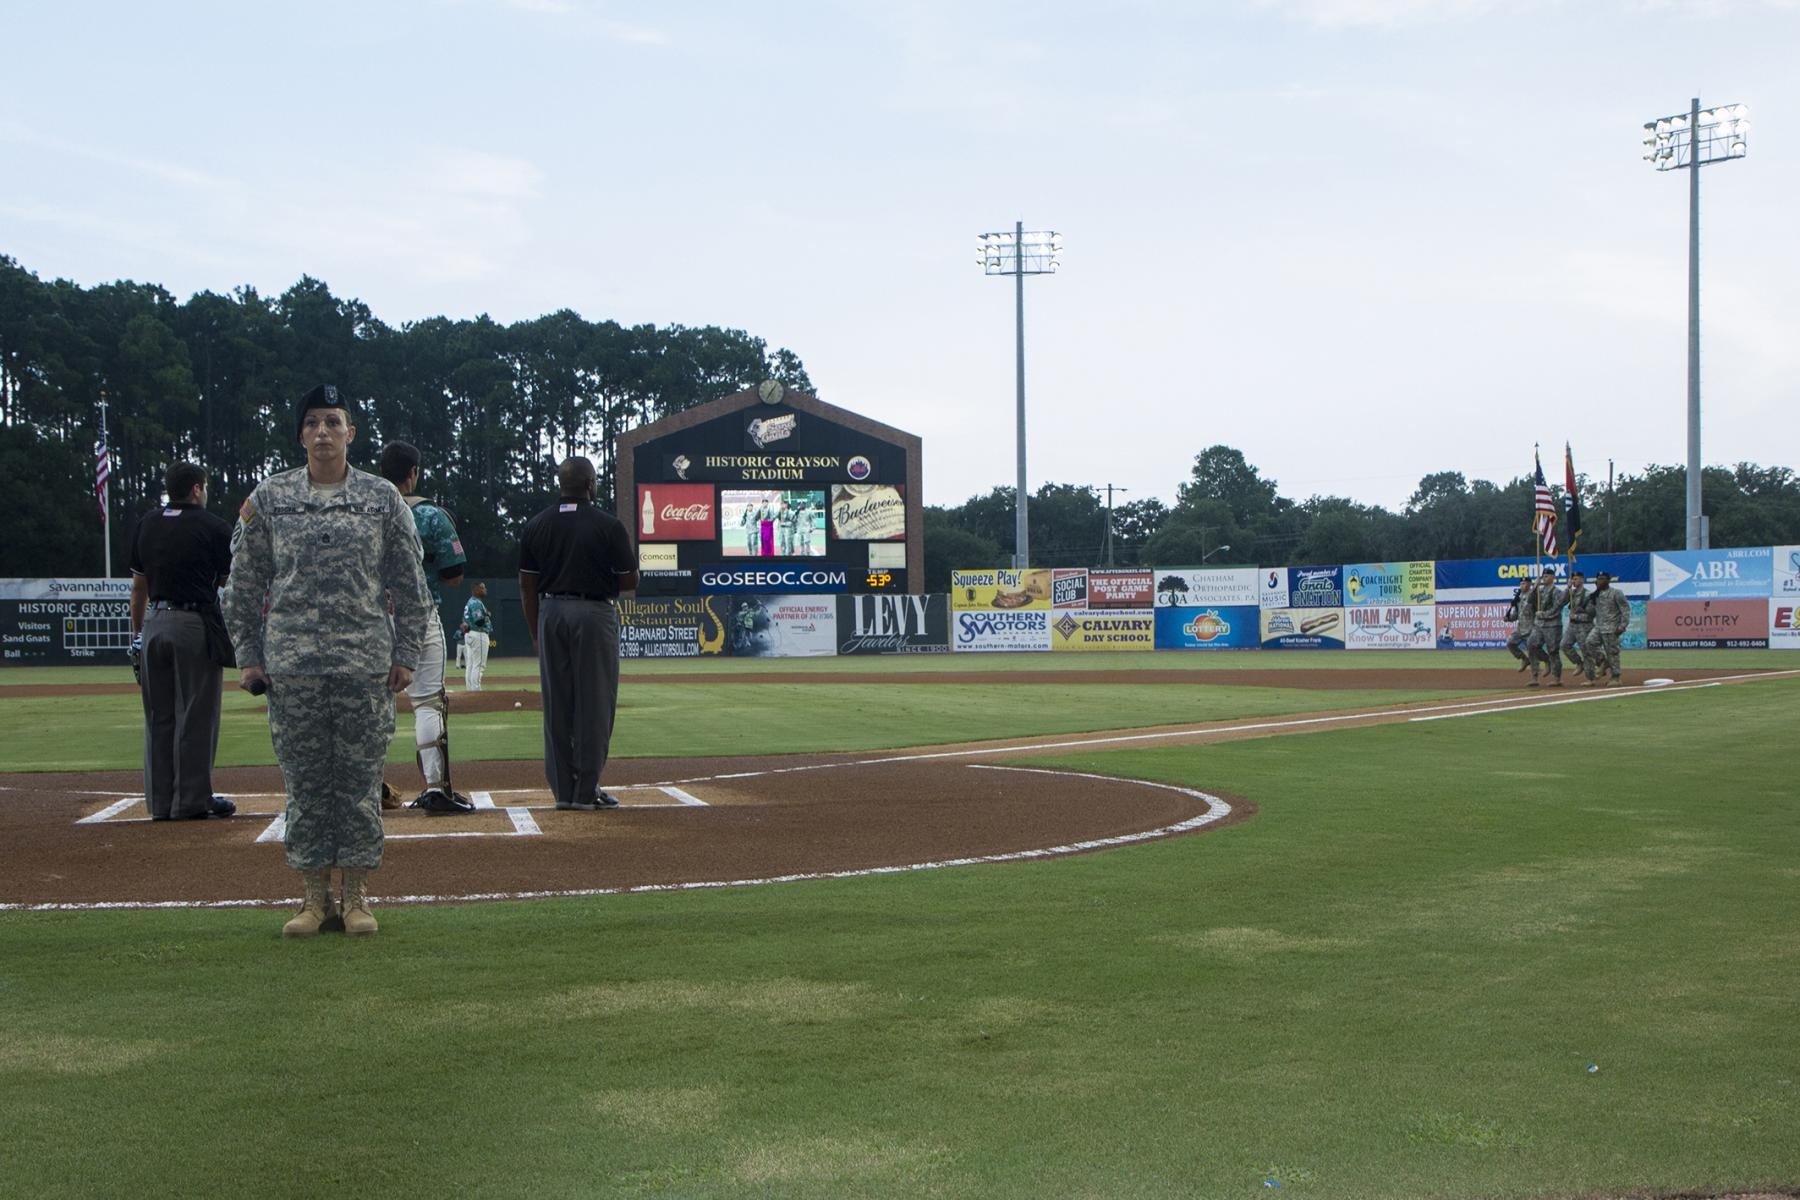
(772,524)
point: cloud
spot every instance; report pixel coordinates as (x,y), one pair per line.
(169,172)
(1351,14)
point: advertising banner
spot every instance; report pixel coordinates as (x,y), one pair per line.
(1473,626)
(1784,624)
(1316,587)
(44,622)
(676,512)
(1117,630)
(1712,574)
(813,577)
(1221,587)
(1069,588)
(671,628)
(1272,587)
(1001,588)
(1786,569)
(1025,629)
(781,626)
(1390,583)
(1468,580)
(1709,624)
(893,624)
(1390,626)
(1302,629)
(868,512)
(1229,628)
(658,556)
(1121,589)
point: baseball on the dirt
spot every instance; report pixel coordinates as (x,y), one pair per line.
(518,704)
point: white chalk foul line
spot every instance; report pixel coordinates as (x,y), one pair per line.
(1608,695)
(1217,809)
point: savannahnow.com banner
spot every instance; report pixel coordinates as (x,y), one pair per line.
(1091,630)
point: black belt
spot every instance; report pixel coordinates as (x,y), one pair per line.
(580,596)
(172,605)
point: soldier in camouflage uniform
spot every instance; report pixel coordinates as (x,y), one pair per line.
(1519,612)
(328,548)
(1612,617)
(1546,628)
(444,561)
(1580,624)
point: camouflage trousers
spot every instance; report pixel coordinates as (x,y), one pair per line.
(1602,648)
(1541,648)
(331,735)
(1515,644)
(1574,637)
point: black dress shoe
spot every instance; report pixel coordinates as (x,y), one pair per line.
(220,807)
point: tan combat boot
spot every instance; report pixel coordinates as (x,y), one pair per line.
(316,910)
(358,920)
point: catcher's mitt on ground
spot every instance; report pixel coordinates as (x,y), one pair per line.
(389,797)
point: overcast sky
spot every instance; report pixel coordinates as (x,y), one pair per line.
(1360,240)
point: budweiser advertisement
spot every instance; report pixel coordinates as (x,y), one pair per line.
(676,512)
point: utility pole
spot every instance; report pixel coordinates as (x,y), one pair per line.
(1107,546)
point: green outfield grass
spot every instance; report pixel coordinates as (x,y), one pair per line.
(1392,982)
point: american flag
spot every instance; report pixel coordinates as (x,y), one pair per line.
(1543,514)
(102,473)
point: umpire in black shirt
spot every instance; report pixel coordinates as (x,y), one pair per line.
(180,555)
(574,560)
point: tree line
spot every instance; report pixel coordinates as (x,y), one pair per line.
(1227,513)
(214,380)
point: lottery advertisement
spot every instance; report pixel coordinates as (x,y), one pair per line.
(1001,588)
(1222,587)
(983,631)
(1713,574)
(781,626)
(49,621)
(1302,629)
(1402,583)
(1121,589)
(1709,624)
(1473,626)
(1786,572)
(1784,624)
(1391,627)
(1227,628)
(1117,630)
(685,627)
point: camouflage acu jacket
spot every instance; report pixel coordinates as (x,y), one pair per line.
(312,573)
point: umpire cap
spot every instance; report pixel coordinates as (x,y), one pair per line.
(324,396)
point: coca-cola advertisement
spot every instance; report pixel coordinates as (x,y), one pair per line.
(676,512)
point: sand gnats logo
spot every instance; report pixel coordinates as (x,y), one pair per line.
(765,430)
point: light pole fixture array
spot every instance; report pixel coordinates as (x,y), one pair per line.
(1020,254)
(1688,141)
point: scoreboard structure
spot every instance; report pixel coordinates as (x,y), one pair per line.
(772,492)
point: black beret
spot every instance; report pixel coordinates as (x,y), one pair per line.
(324,396)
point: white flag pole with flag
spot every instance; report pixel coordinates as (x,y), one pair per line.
(102,473)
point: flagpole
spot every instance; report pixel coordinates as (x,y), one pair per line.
(1537,527)
(105,495)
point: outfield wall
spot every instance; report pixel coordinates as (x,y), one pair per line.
(1740,598)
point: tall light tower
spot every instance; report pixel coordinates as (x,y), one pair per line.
(1020,254)
(1689,141)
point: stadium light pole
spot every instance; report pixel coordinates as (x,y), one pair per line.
(1020,254)
(1688,141)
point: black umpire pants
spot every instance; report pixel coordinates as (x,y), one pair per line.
(578,671)
(181,714)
